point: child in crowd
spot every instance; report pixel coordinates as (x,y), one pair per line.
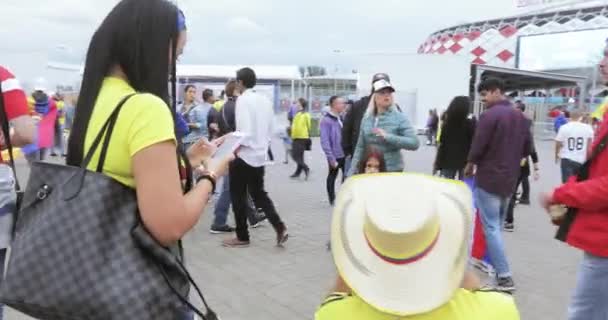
(284,135)
(372,162)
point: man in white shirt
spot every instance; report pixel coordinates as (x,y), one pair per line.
(572,144)
(254,118)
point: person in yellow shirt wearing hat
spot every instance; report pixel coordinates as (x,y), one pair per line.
(409,261)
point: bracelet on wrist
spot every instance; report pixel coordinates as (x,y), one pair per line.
(209,177)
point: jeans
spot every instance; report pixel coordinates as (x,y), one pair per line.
(331,179)
(222,206)
(492,209)
(2,260)
(431,135)
(590,295)
(348,161)
(244,178)
(569,168)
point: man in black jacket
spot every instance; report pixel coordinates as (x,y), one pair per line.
(352,121)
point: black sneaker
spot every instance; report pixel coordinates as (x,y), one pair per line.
(524,201)
(221,229)
(509,227)
(505,284)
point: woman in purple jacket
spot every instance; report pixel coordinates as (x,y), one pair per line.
(331,143)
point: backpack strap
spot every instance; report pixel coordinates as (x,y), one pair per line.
(583,173)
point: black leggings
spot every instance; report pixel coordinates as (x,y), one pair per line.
(297,152)
(331,179)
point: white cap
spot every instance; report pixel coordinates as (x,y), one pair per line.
(382,84)
(40,85)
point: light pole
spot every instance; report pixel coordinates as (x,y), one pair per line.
(336,51)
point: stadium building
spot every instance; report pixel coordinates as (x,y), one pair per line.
(502,42)
(547,55)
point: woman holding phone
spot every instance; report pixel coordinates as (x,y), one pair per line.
(385,128)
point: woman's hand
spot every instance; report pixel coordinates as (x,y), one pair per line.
(201,151)
(379,132)
(219,167)
(546,200)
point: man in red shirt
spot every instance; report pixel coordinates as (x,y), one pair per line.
(12,98)
(587,229)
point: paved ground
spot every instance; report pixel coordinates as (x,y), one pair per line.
(264,282)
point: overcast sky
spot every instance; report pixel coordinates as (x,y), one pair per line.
(243,31)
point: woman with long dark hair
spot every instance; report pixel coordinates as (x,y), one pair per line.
(457,133)
(132,55)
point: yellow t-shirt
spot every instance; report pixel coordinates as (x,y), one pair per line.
(144,120)
(300,127)
(218,105)
(61,109)
(465,305)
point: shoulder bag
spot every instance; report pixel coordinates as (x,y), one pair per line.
(81,250)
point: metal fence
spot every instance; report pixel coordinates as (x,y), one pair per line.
(543,127)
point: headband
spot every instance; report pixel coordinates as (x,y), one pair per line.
(181,20)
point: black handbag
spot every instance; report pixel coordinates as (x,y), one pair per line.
(582,175)
(81,250)
(308,144)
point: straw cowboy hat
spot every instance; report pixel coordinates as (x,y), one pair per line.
(400,240)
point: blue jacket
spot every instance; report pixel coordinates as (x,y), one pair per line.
(198,115)
(399,135)
(181,125)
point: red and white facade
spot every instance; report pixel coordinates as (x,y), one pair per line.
(494,42)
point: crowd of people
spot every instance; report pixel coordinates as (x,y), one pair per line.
(409,258)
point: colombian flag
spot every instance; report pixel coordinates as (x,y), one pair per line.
(478,249)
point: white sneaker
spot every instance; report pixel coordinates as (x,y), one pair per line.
(483,267)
